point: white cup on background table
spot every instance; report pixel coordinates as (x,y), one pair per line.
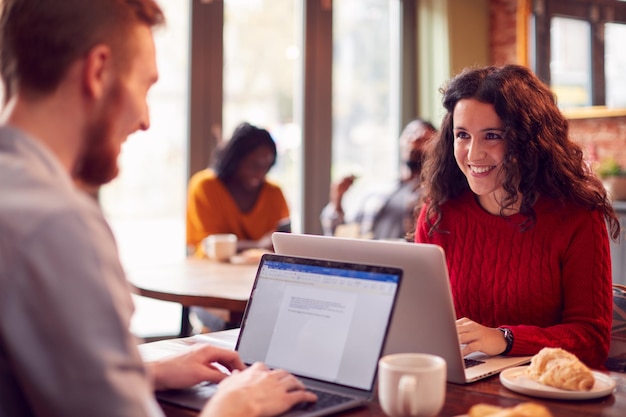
(220,247)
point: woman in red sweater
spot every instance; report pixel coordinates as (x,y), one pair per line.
(521,217)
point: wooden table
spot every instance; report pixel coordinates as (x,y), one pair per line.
(459,398)
(195,282)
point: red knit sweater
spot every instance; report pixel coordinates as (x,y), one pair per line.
(550,284)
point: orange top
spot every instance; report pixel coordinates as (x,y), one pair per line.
(211,209)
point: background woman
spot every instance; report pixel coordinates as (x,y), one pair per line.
(235,196)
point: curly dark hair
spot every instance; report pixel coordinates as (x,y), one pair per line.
(540,158)
(246,138)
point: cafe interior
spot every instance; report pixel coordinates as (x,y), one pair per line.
(334,82)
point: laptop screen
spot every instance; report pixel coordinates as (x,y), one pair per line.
(320,319)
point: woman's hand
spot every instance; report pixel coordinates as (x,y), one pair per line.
(257,392)
(476,337)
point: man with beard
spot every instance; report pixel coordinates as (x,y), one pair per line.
(385,215)
(76,75)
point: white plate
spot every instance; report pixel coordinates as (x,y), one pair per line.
(516,380)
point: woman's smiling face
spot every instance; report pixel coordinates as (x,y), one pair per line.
(479,150)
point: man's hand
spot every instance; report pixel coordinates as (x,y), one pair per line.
(194,366)
(257,392)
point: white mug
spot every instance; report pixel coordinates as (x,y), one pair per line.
(411,384)
(220,246)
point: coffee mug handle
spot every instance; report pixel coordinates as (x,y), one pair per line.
(407,400)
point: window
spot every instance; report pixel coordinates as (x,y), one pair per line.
(262,82)
(364,138)
(615,65)
(145,204)
(578,50)
(570,65)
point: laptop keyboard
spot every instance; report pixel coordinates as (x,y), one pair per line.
(471,362)
(324,400)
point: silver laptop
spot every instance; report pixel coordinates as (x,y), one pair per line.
(424,319)
(324,321)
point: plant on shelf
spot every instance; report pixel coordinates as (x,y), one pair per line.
(613,177)
(609,167)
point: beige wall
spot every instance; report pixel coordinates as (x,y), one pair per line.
(468,22)
(452,35)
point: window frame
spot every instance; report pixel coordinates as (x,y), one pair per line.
(596,13)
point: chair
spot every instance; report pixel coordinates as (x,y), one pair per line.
(617,352)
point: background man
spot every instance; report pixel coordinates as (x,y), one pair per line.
(389,215)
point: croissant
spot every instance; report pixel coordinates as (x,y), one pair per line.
(559,368)
(521,410)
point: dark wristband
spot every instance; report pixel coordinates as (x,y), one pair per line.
(508,337)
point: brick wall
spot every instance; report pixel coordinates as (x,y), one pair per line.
(503,36)
(604,136)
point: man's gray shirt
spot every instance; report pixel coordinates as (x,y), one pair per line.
(65,304)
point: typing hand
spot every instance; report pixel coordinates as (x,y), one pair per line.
(257,392)
(195,365)
(475,337)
